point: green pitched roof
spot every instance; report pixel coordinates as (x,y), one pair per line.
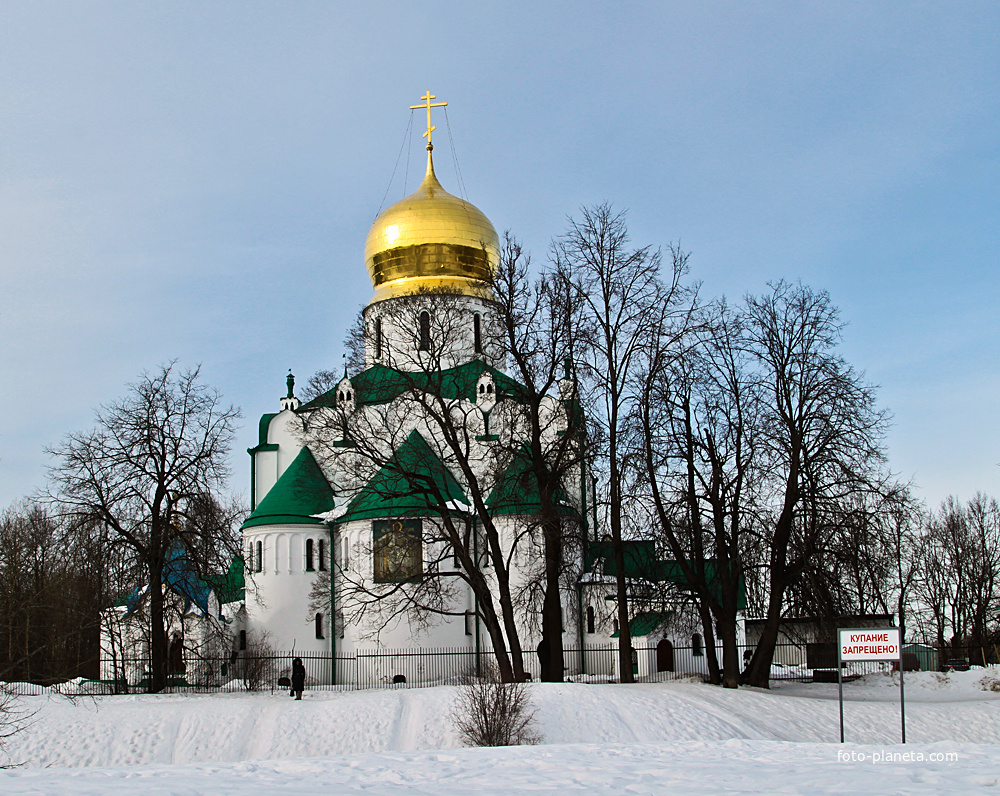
(641,563)
(381,385)
(517,492)
(229,588)
(301,492)
(644,623)
(265,422)
(413,482)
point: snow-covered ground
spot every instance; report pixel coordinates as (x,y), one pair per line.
(676,737)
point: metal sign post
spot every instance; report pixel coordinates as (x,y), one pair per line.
(840,687)
(870,644)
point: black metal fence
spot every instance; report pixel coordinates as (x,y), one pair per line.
(257,671)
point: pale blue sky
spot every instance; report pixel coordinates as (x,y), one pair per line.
(196,180)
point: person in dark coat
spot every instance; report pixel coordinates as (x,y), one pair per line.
(298,677)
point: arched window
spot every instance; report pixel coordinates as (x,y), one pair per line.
(322,556)
(425,331)
(378,338)
(309,557)
(258,559)
(697,649)
(614,626)
(590,619)
(319,625)
(243,639)
(477,332)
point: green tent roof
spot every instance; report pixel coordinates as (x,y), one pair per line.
(517,491)
(413,482)
(381,385)
(644,623)
(301,492)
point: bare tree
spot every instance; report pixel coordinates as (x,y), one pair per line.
(543,324)
(257,667)
(898,525)
(53,585)
(821,431)
(958,593)
(491,712)
(625,304)
(697,420)
(143,473)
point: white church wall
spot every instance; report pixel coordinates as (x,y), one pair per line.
(429,631)
(277,601)
(265,473)
(452,323)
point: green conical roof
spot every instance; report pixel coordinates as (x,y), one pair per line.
(413,482)
(301,492)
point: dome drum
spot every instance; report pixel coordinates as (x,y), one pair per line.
(430,260)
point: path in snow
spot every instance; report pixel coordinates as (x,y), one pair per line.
(179,729)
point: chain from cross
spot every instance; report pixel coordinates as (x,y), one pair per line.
(428,105)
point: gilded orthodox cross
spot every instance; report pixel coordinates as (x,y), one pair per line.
(428,105)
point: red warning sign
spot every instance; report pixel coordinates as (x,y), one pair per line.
(874,644)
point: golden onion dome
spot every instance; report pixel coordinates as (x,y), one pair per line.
(431,240)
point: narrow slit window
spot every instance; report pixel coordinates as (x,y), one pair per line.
(477,332)
(378,338)
(258,559)
(590,619)
(243,639)
(309,555)
(425,331)
(321,551)
(319,625)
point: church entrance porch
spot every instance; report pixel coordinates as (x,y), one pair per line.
(175,656)
(665,656)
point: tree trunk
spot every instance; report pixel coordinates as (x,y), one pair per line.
(506,606)
(731,662)
(708,634)
(758,673)
(550,651)
(157,630)
(505,667)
